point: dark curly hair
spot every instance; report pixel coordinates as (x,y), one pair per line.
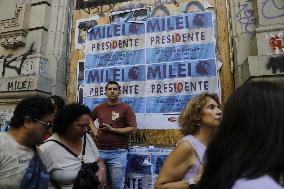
(57,101)
(85,26)
(162,8)
(35,107)
(67,115)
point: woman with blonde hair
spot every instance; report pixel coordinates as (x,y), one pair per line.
(198,122)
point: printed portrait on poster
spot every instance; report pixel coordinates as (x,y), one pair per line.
(134,15)
(82,27)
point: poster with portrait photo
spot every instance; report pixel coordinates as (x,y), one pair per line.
(80,81)
(82,27)
(134,15)
(183,6)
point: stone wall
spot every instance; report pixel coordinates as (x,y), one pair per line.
(34,46)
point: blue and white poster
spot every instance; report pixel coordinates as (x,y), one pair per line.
(160,65)
(143,167)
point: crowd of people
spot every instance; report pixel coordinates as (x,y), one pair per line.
(48,143)
(239,146)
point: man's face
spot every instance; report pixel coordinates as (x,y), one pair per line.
(160,12)
(112,92)
(38,129)
(83,35)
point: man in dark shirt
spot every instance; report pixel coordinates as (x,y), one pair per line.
(116,121)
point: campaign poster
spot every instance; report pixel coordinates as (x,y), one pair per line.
(160,64)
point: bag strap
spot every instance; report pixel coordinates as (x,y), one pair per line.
(69,150)
(55,184)
(84,145)
(83,150)
(63,145)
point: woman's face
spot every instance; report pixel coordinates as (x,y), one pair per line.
(210,113)
(79,127)
(160,12)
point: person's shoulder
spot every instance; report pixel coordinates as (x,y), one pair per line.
(263,182)
(124,105)
(100,106)
(49,144)
(183,152)
(4,137)
(185,146)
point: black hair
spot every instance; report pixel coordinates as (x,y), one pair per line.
(86,25)
(160,7)
(250,139)
(67,115)
(35,107)
(112,83)
(57,101)
(195,3)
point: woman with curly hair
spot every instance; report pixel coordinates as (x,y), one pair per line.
(198,122)
(63,152)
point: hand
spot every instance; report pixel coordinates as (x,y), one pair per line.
(106,127)
(101,174)
(198,176)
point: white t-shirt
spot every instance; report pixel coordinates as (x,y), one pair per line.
(62,166)
(264,182)
(14,160)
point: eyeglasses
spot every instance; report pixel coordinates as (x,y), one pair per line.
(46,125)
(83,126)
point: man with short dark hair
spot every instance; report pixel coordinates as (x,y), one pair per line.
(32,117)
(116,121)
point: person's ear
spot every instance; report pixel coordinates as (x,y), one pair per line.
(27,121)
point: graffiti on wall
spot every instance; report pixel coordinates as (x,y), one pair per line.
(98,10)
(246,16)
(272,9)
(81,4)
(18,84)
(23,67)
